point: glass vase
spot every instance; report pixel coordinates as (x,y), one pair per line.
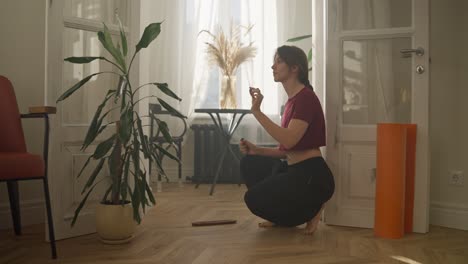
(227,93)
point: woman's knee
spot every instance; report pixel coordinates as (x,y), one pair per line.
(259,206)
(251,201)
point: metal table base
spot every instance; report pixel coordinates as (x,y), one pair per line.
(226,135)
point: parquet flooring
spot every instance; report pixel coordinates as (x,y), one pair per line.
(166,236)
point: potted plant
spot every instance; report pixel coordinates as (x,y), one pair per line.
(129,192)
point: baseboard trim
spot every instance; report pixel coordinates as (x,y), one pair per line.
(449,215)
(32,212)
(173,174)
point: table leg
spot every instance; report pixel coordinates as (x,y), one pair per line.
(227,135)
(218,171)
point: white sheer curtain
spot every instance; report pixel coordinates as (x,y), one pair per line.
(178,56)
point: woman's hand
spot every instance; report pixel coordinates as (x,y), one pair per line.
(247,147)
(257,98)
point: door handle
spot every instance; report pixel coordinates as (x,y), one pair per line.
(406,53)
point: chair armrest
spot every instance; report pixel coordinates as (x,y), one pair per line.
(42,112)
(35,115)
(39,111)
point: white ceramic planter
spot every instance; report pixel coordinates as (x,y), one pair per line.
(114,223)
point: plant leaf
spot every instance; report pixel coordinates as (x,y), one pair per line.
(165,89)
(145,188)
(93,175)
(162,126)
(102,129)
(151,32)
(150,194)
(135,154)
(114,167)
(106,41)
(166,153)
(157,160)
(84,166)
(170,108)
(104,147)
(82,203)
(75,87)
(126,126)
(123,38)
(124,43)
(81,60)
(104,198)
(94,128)
(298,38)
(95,134)
(92,131)
(122,90)
(136,201)
(309,56)
(124,185)
(144,141)
(142,188)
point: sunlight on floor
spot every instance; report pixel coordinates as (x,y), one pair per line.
(406,260)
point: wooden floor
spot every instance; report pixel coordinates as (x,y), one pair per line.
(166,236)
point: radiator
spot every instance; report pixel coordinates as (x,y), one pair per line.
(207,151)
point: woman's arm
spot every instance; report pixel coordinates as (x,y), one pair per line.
(272,152)
(248,148)
(288,137)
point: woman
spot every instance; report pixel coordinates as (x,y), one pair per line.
(288,186)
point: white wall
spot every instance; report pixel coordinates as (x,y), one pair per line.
(22,60)
(449,125)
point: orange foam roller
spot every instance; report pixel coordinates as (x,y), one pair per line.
(396,145)
(410,174)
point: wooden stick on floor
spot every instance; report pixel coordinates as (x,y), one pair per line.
(214,222)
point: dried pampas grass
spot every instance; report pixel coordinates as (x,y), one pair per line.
(227,51)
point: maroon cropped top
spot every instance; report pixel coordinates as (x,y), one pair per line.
(306,106)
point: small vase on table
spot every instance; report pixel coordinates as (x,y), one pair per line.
(227,93)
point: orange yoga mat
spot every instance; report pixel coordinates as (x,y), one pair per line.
(394,201)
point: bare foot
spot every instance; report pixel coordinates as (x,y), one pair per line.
(312,225)
(266,224)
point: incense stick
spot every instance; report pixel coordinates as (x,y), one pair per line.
(249,78)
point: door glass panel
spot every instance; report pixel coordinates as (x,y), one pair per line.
(376,81)
(100,10)
(80,107)
(372,14)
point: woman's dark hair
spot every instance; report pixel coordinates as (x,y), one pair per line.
(294,56)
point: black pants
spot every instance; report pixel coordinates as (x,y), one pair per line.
(286,195)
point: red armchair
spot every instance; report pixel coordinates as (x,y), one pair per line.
(16,164)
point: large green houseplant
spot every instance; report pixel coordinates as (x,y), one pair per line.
(128,143)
